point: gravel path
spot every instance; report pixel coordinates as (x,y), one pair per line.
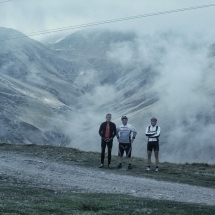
(59,176)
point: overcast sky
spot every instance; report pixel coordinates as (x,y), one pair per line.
(37,15)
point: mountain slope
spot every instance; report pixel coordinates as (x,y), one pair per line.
(60,93)
(34,86)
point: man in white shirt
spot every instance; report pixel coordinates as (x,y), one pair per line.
(153,133)
(125,140)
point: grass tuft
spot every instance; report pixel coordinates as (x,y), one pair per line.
(89,206)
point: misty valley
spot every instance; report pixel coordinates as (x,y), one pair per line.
(58,93)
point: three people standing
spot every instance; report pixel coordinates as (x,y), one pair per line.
(108,131)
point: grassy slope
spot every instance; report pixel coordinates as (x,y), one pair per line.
(22,199)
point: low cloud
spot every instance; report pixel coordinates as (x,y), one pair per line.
(184,84)
(122,53)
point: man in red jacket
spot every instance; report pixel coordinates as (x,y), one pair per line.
(107,131)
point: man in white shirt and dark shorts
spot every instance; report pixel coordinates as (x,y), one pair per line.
(125,140)
(153,133)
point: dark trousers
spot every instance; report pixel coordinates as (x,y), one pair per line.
(103,147)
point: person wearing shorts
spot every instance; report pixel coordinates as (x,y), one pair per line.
(153,133)
(125,141)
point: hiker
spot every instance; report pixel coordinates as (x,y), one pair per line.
(125,141)
(107,131)
(153,133)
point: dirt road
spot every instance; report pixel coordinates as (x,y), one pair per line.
(44,173)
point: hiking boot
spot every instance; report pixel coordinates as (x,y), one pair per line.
(156,170)
(119,166)
(148,168)
(101,166)
(129,167)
